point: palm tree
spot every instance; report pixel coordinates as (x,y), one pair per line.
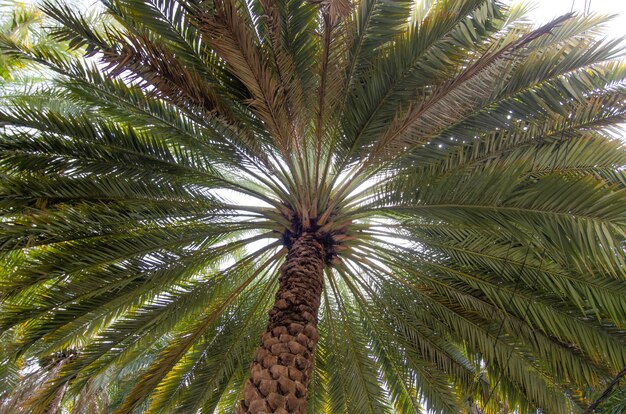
(25,24)
(21,23)
(427,198)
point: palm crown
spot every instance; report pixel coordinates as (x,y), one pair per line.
(425,197)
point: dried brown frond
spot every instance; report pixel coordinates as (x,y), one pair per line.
(337,9)
(232,39)
(155,66)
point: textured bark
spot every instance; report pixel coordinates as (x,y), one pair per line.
(282,365)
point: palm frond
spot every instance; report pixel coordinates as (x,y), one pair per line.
(451,179)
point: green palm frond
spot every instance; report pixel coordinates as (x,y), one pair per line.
(458,175)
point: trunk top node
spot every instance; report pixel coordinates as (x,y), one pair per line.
(328,236)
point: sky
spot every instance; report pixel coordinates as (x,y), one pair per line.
(545,10)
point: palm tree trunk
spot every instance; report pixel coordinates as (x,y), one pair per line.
(282,366)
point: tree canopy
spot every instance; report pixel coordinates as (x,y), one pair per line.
(451,174)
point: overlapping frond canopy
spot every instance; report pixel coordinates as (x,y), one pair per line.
(464,165)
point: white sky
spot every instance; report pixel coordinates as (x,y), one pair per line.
(546,10)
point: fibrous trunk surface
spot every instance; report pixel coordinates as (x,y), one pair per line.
(282,366)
